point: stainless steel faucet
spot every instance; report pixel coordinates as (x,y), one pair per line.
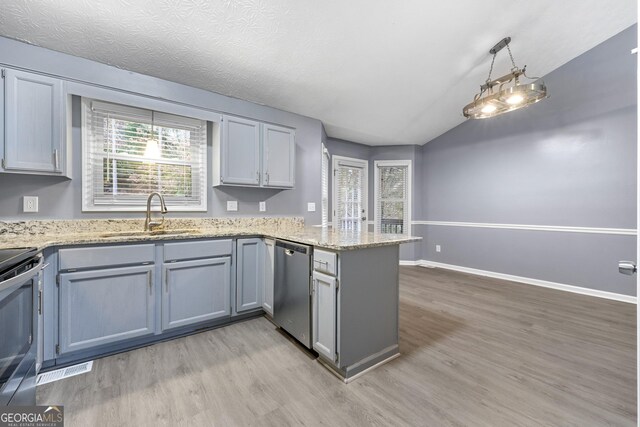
(148,224)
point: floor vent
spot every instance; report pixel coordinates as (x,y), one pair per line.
(49,377)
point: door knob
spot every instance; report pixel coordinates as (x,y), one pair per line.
(627,267)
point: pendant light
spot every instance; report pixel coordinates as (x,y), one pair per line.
(152,149)
(505,93)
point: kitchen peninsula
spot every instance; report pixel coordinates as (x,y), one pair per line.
(111,287)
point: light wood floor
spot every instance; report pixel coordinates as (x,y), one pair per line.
(475,352)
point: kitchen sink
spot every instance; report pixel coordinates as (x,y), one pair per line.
(164,232)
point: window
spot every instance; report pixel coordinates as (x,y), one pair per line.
(393,197)
(350,193)
(325,186)
(130,152)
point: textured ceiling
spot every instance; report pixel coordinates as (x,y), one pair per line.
(375,72)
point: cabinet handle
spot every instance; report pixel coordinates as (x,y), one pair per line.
(56,160)
(258,176)
(267,177)
(166,280)
(150,282)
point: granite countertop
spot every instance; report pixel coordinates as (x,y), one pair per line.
(43,234)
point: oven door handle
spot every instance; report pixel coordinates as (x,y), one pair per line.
(23,277)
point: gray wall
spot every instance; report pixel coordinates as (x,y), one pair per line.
(61,198)
(567,161)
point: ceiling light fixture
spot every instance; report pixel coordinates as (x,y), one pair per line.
(492,101)
(152,149)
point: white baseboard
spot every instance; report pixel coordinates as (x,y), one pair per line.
(527,280)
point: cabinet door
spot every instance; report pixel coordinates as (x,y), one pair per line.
(278,156)
(324,315)
(267,293)
(33,123)
(195,291)
(249,274)
(240,151)
(105,306)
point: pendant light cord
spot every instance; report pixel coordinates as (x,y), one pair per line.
(493,60)
(513,62)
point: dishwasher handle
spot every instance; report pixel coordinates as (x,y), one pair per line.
(290,248)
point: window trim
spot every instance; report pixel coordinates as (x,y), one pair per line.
(324,209)
(376,190)
(87,203)
(335,160)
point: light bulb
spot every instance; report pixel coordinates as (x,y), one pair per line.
(489,108)
(515,99)
(152,150)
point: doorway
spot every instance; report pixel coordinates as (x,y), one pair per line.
(350,186)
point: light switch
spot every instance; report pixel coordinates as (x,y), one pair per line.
(30,204)
(311,207)
(232,205)
(263,206)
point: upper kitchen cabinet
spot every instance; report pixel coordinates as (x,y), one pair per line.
(249,153)
(33,125)
(240,152)
(278,156)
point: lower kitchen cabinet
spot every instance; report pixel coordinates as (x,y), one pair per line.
(324,310)
(99,307)
(195,291)
(249,274)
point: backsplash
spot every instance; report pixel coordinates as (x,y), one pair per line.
(79,226)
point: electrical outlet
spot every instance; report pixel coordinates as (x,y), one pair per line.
(232,205)
(263,206)
(438,248)
(30,204)
(311,207)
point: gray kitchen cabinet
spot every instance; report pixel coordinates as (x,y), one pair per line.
(98,307)
(195,291)
(267,289)
(249,153)
(239,152)
(278,156)
(324,302)
(249,274)
(34,124)
(354,314)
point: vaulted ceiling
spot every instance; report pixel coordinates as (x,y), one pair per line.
(375,72)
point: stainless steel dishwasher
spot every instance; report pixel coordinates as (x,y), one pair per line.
(291,296)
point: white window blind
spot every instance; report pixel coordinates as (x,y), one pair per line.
(392,197)
(130,152)
(325,186)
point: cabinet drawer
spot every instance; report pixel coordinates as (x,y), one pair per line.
(191,250)
(325,262)
(103,256)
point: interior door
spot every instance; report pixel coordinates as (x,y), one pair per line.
(350,179)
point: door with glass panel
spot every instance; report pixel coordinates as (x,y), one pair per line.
(350,193)
(392,197)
